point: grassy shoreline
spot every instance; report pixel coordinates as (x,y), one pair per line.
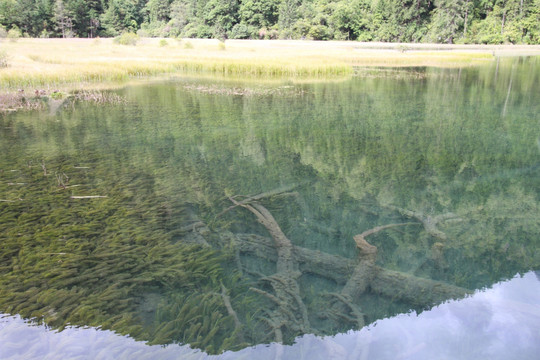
(76,64)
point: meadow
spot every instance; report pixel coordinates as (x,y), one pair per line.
(61,63)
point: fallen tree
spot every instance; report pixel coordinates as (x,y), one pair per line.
(397,285)
(286,315)
(291,311)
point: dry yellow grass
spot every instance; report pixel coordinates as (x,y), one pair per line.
(79,62)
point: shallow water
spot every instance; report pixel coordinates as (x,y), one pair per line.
(497,323)
(121,216)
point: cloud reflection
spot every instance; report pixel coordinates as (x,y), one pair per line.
(502,322)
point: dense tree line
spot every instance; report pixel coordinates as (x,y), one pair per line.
(443,21)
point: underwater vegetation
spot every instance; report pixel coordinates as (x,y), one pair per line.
(100,261)
(85,245)
(225,215)
(96,261)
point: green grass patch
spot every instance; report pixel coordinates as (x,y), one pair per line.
(76,62)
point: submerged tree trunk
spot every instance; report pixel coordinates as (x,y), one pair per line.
(288,316)
(291,311)
(393,284)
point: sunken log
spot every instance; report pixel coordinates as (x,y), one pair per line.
(365,269)
(397,285)
(291,309)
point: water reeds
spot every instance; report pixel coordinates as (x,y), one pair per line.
(57,62)
(100,72)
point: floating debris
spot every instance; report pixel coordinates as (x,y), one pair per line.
(89,197)
(10,102)
(241,91)
(393,73)
(99,97)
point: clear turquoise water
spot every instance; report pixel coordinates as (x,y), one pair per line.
(453,153)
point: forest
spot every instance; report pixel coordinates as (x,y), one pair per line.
(430,21)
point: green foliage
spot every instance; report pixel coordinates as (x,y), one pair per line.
(158,10)
(3,32)
(163,43)
(352,19)
(319,32)
(63,17)
(402,20)
(14,34)
(242,31)
(221,16)
(448,20)
(488,31)
(122,16)
(198,319)
(288,14)
(195,30)
(44,34)
(531,24)
(259,13)
(127,39)
(182,13)
(143,33)
(445,21)
(57,95)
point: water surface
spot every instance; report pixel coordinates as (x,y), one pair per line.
(121,217)
(498,323)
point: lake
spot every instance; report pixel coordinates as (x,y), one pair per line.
(391,214)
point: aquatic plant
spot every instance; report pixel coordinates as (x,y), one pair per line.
(94,259)
(61,62)
(117,220)
(103,257)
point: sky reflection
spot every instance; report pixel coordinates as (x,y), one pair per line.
(502,322)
